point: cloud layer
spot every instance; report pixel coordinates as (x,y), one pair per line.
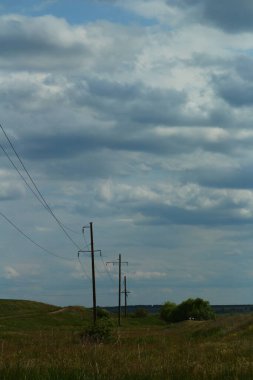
(144,128)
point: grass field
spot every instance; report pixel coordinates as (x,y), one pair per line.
(39,341)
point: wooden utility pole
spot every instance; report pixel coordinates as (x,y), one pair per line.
(119,263)
(92,251)
(126,295)
(93,275)
(119,307)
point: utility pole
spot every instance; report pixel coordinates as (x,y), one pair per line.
(126,295)
(93,275)
(92,251)
(119,263)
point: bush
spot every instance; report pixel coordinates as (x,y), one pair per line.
(196,309)
(140,313)
(102,313)
(192,309)
(98,333)
(166,310)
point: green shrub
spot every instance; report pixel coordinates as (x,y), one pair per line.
(98,333)
(166,309)
(196,309)
(102,313)
(140,313)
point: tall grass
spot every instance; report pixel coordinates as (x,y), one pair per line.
(191,350)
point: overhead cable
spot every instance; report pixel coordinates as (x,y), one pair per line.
(83,269)
(107,271)
(42,198)
(31,240)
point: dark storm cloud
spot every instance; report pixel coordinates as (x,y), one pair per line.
(244,67)
(130,103)
(235,91)
(232,16)
(67,145)
(139,105)
(236,86)
(41,147)
(94,166)
(41,42)
(238,178)
(226,214)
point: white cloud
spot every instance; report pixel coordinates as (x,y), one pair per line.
(120,192)
(10,272)
(10,189)
(124,125)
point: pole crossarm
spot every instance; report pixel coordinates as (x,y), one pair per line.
(95,250)
(116,262)
(125,292)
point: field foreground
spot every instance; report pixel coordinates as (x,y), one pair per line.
(39,341)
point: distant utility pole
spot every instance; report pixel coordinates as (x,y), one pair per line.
(92,251)
(119,263)
(126,295)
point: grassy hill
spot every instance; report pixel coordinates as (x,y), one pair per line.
(28,315)
(42,342)
(18,307)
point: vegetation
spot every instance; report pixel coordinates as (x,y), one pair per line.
(140,313)
(195,309)
(46,345)
(166,309)
(102,313)
(101,332)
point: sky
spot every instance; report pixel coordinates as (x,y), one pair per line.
(136,116)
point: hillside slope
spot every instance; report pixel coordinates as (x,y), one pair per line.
(26,315)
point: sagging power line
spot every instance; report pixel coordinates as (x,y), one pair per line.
(38,195)
(31,240)
(106,270)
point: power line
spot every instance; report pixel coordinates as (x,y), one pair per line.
(83,269)
(107,271)
(39,197)
(43,200)
(85,240)
(101,257)
(21,175)
(31,240)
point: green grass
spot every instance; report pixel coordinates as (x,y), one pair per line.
(18,315)
(39,343)
(13,308)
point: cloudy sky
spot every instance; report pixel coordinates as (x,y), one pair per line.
(137,116)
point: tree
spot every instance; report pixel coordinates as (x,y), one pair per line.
(197,309)
(166,310)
